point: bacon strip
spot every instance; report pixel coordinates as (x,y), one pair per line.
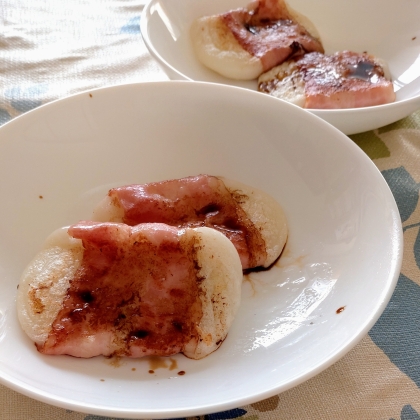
(135,294)
(345,79)
(270,33)
(349,80)
(194,201)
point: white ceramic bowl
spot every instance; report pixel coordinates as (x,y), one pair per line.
(344,248)
(386,28)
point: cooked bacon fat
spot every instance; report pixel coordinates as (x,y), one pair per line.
(135,293)
(195,201)
(343,80)
(270,32)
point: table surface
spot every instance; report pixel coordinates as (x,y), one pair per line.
(50,50)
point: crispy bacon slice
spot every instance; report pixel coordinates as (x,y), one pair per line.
(243,43)
(151,289)
(135,294)
(270,32)
(251,219)
(345,79)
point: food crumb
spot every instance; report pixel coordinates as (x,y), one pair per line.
(102,380)
(41,197)
(115,361)
(339,310)
(414,37)
(151,371)
(133,369)
(181,372)
(90,95)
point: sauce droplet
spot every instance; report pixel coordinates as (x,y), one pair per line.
(339,310)
(156,362)
(174,364)
(151,371)
(181,372)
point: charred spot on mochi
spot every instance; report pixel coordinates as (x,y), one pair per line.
(36,303)
(296,49)
(139,334)
(197,268)
(238,196)
(192,246)
(270,85)
(86,296)
(120,319)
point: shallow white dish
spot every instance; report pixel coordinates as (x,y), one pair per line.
(344,249)
(386,28)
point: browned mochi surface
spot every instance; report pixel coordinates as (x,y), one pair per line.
(135,293)
(345,79)
(270,33)
(194,201)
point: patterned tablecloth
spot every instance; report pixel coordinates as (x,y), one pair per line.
(50,49)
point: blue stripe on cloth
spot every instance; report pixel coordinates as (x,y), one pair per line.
(132,26)
(397,332)
(25,105)
(417,249)
(404,189)
(408,413)
(4,116)
(225,415)
(26,98)
(94,417)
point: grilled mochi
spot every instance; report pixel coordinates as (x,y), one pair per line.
(243,43)
(345,79)
(250,218)
(111,289)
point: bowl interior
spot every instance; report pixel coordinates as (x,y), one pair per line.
(387,29)
(344,247)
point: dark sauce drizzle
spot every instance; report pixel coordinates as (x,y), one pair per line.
(364,70)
